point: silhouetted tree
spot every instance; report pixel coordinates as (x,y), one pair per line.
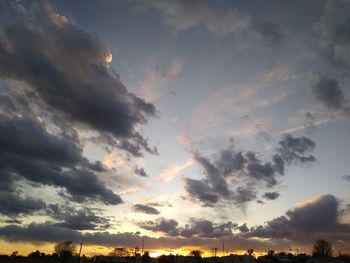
(196,253)
(35,254)
(322,248)
(120,252)
(65,250)
(271,256)
(250,251)
(166,259)
(145,257)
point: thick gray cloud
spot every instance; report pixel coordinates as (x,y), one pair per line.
(328,92)
(11,204)
(262,171)
(271,195)
(78,219)
(200,228)
(244,194)
(207,229)
(316,218)
(243,228)
(68,75)
(242,166)
(52,233)
(146,209)
(38,233)
(29,151)
(278,163)
(213,175)
(230,162)
(295,149)
(166,226)
(199,189)
(56,79)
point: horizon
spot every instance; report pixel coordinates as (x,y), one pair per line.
(180,124)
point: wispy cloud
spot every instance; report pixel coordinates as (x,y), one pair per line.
(172,171)
(155,84)
(135,188)
(305,126)
(181,15)
(184,139)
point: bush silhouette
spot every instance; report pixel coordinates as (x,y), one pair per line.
(65,250)
(322,248)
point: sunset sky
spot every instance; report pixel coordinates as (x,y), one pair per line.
(187,123)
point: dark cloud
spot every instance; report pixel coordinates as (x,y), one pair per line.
(7,181)
(215,179)
(68,75)
(28,138)
(47,232)
(328,92)
(140,171)
(11,204)
(347,177)
(200,228)
(271,195)
(207,229)
(230,162)
(166,226)
(78,219)
(29,151)
(246,167)
(278,163)
(272,34)
(334,37)
(199,189)
(12,221)
(314,218)
(294,149)
(146,209)
(243,228)
(38,233)
(262,171)
(243,195)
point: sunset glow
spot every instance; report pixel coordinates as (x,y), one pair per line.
(174,126)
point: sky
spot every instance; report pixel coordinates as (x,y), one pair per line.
(187,124)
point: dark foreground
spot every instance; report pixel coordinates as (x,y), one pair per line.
(286,258)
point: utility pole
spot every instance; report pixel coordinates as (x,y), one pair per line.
(142,245)
(81,246)
(223,249)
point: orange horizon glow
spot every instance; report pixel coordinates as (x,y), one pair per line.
(93,250)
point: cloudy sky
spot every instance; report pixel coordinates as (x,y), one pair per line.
(188,123)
